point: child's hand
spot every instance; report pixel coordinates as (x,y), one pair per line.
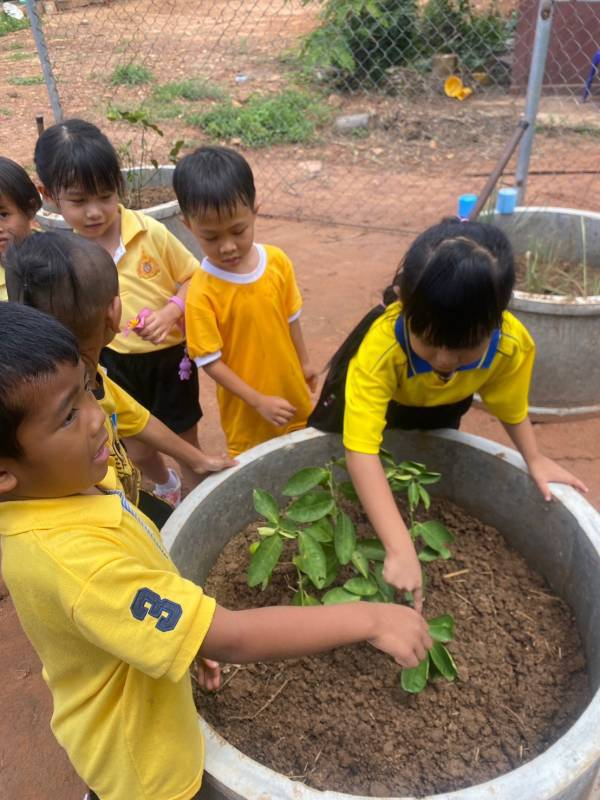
(402,633)
(402,570)
(159,323)
(208,674)
(205,463)
(275,410)
(544,470)
(311,376)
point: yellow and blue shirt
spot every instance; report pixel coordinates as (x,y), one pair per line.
(386,368)
(116,628)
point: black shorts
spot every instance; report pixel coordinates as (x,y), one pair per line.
(429,418)
(153,380)
(154,507)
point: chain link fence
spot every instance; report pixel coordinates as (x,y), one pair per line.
(374,113)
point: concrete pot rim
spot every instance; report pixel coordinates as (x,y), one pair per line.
(579,747)
(160,211)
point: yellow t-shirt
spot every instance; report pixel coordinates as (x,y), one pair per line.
(245,320)
(383,369)
(116,628)
(124,417)
(3,292)
(151,268)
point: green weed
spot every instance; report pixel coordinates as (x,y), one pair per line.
(10,25)
(189,89)
(131,75)
(27,80)
(19,55)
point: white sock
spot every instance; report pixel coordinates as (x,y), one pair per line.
(172,484)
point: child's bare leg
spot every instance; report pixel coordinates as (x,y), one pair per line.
(190,478)
(148,460)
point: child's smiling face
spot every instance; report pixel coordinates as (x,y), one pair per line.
(62,437)
(91,215)
(14,223)
(227,238)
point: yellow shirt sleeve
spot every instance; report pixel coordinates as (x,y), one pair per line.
(3,292)
(292,296)
(506,395)
(132,417)
(180,263)
(370,385)
(201,325)
(152,619)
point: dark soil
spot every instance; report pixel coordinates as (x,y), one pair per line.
(150,196)
(342,721)
(554,277)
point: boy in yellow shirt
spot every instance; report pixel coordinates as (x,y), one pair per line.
(115,625)
(19,202)
(243,306)
(75,280)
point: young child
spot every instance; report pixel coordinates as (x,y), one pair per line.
(76,281)
(19,202)
(243,306)
(116,627)
(80,172)
(415,362)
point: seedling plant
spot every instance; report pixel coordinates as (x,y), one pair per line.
(332,564)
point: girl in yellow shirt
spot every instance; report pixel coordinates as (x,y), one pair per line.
(19,202)
(441,334)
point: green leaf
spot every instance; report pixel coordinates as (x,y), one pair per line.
(413,466)
(360,562)
(387,458)
(321,531)
(371,549)
(287,534)
(338,595)
(443,661)
(265,505)
(311,507)
(413,495)
(441,628)
(424,495)
(427,554)
(435,535)
(266,531)
(344,538)
(263,561)
(313,559)
(304,480)
(414,680)
(301,598)
(348,490)
(361,586)
(388,592)
(254,547)
(426,478)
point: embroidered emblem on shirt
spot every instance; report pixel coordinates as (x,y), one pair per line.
(147,268)
(167,612)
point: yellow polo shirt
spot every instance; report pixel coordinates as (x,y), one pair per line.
(116,628)
(3,292)
(385,369)
(151,269)
(124,417)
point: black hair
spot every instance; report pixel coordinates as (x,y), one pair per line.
(213,178)
(16,184)
(65,275)
(75,153)
(454,283)
(32,346)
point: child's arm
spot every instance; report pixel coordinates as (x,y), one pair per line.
(158,436)
(279,632)
(401,567)
(309,372)
(158,324)
(275,410)
(543,469)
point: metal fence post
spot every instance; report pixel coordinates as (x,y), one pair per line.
(543,28)
(42,48)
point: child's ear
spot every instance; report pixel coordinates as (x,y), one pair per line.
(113,315)
(8,481)
(256,208)
(186,222)
(44,192)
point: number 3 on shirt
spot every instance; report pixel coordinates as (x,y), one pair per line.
(165,611)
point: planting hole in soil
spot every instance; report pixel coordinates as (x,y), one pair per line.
(341,720)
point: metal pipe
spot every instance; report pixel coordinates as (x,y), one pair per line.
(541,42)
(42,49)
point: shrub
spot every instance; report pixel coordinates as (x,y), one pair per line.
(189,89)
(10,24)
(131,75)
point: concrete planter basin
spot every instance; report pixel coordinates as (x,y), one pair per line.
(561,539)
(167,213)
(566,376)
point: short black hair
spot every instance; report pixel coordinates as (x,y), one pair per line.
(75,153)
(65,275)
(455,282)
(213,178)
(32,346)
(16,184)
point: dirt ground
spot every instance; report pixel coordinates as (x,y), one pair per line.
(359,202)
